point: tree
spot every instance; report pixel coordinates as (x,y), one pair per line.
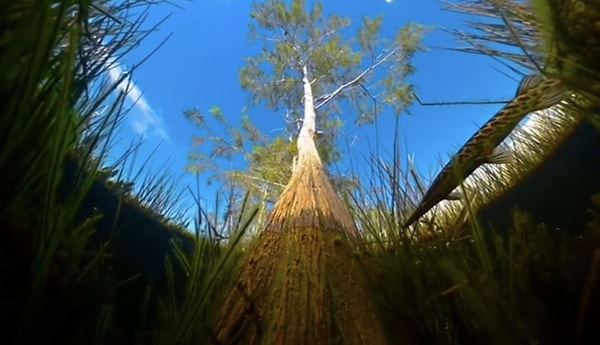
(344,76)
(303,44)
(302,283)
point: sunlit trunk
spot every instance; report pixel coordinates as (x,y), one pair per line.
(302,282)
(306,138)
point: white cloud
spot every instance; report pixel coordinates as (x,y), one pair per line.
(146,121)
(389,1)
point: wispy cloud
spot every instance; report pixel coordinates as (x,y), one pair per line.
(146,121)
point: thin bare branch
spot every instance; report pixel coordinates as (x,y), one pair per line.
(328,97)
(458,102)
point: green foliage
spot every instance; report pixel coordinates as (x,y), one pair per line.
(188,311)
(341,70)
(268,161)
(460,285)
(295,37)
(271,162)
(58,111)
(38,127)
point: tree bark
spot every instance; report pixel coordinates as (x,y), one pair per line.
(302,283)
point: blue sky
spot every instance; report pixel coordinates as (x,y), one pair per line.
(198,68)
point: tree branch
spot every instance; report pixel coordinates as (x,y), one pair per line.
(259,179)
(458,102)
(328,97)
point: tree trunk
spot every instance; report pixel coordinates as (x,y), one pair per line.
(302,283)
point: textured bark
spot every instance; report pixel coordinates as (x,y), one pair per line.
(309,200)
(300,286)
(302,283)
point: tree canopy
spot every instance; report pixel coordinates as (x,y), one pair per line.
(354,73)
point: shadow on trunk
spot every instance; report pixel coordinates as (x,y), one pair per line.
(302,283)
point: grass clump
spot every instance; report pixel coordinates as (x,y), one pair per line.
(455,283)
(61,281)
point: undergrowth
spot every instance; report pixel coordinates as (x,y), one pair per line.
(130,272)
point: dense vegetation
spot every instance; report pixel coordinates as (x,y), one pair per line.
(85,259)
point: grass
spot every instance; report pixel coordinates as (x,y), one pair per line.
(133,274)
(58,118)
(467,285)
(39,125)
